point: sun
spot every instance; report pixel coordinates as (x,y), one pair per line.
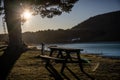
(26,15)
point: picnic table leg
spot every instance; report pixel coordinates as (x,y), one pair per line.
(73,73)
(68,55)
(53,71)
(62,70)
(60,54)
(51,52)
(65,76)
(65,66)
(81,66)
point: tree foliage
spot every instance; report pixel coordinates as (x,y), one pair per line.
(46,8)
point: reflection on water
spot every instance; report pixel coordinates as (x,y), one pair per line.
(106,49)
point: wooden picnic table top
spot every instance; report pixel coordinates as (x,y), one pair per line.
(65,49)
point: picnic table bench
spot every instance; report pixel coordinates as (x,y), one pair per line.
(64,56)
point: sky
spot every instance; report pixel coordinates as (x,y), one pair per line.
(81,11)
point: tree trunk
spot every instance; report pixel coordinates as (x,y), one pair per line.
(13,20)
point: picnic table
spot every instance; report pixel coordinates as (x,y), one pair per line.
(64,56)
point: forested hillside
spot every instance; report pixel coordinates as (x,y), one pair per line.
(106,27)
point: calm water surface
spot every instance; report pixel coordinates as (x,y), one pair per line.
(106,49)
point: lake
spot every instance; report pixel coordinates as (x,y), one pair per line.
(106,48)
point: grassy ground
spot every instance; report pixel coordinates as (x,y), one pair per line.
(30,67)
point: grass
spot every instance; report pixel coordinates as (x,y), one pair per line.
(29,67)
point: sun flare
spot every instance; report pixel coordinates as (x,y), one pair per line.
(26,15)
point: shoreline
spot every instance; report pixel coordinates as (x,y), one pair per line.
(96,54)
(103,56)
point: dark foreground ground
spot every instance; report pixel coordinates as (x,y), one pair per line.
(30,67)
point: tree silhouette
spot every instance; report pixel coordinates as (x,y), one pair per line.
(12,9)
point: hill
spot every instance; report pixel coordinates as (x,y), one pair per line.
(104,27)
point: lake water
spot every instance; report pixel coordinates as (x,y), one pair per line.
(106,49)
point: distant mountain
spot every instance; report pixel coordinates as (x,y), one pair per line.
(104,27)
